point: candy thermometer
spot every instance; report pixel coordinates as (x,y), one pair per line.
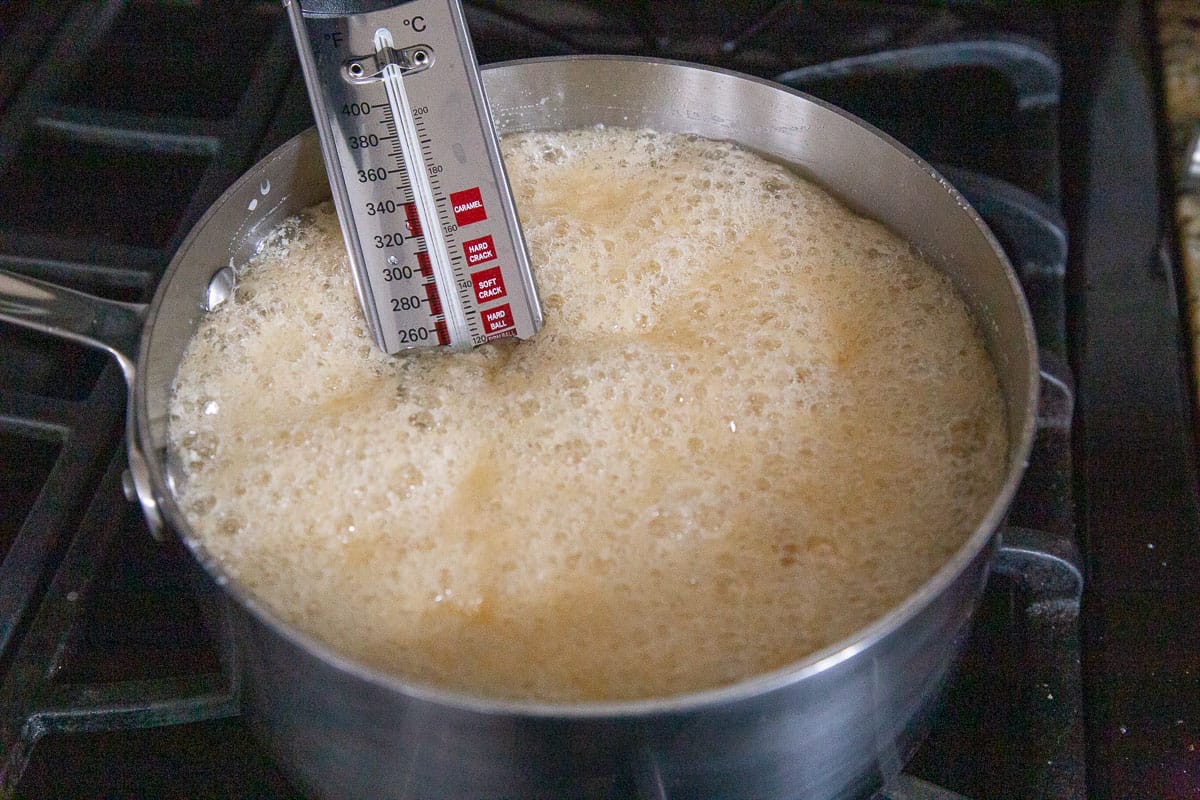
(415,171)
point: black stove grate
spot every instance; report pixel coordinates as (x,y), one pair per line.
(122,120)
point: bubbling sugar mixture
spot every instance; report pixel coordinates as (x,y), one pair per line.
(752,423)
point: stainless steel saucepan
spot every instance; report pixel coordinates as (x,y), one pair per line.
(833,725)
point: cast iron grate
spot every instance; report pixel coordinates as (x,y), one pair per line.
(138,116)
(74,198)
(200,58)
(26,459)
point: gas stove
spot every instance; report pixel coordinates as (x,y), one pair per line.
(122,121)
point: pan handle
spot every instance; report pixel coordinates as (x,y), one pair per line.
(68,314)
(107,325)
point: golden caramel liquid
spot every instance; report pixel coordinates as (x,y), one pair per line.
(752,424)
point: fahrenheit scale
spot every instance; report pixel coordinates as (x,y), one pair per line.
(415,170)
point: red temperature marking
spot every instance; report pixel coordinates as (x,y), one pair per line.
(479,250)
(496,319)
(489,285)
(425,264)
(412,220)
(443,333)
(435,302)
(468,206)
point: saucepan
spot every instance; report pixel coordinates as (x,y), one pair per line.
(836,724)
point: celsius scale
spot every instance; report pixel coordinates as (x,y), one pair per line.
(414,167)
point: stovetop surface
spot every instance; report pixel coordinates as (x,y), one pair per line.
(121,121)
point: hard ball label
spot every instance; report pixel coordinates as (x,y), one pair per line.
(496,319)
